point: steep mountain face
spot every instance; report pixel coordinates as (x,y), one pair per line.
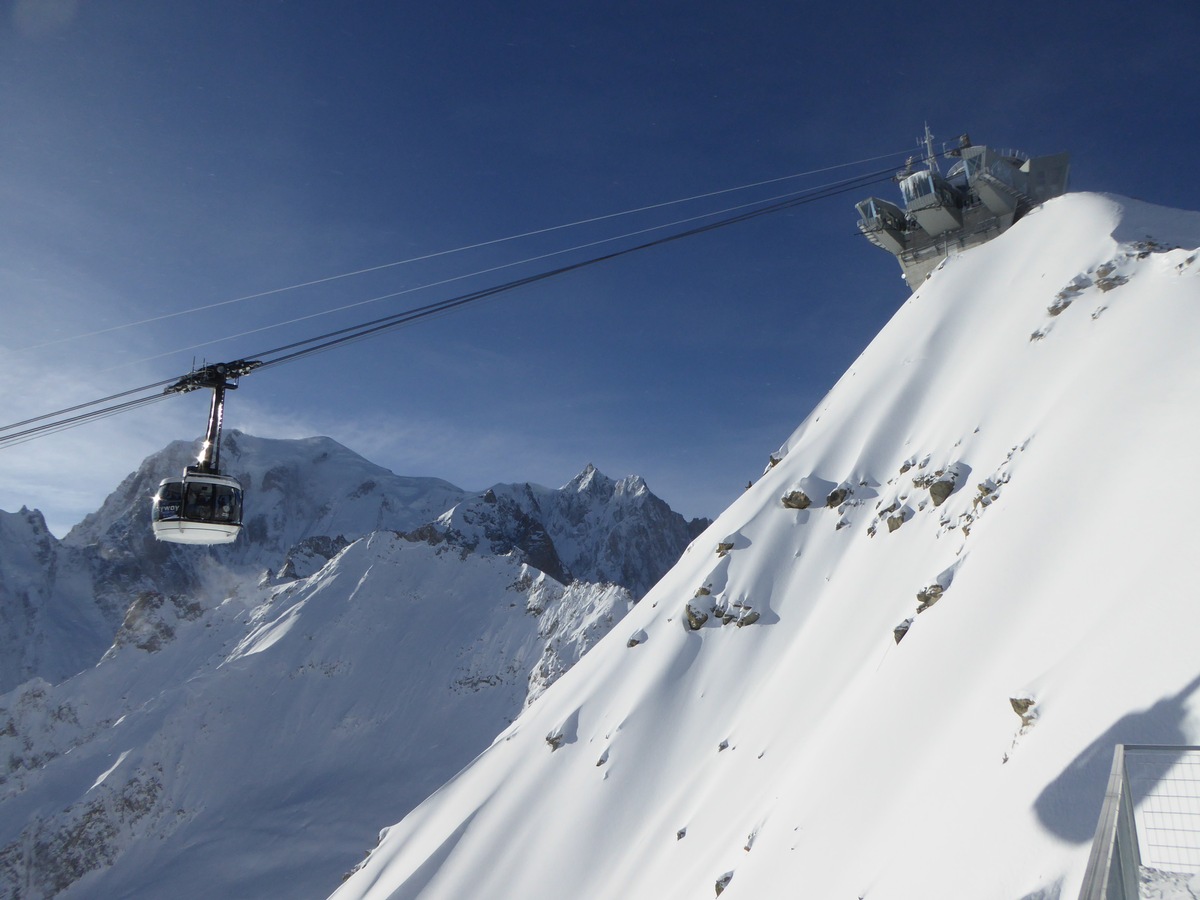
(362,641)
(61,602)
(896,666)
(251,749)
(52,622)
(602,531)
(296,490)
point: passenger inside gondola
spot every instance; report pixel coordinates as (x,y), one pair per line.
(199,501)
(228,505)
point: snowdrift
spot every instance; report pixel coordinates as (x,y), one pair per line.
(895,667)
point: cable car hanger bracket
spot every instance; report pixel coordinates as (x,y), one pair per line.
(218,375)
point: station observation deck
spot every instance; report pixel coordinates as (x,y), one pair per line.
(980,197)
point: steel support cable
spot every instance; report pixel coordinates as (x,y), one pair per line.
(29,434)
(367,329)
(421,287)
(440,253)
(809,194)
(78,406)
(331,339)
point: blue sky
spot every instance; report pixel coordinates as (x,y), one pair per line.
(160,157)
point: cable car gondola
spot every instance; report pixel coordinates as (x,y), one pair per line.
(204,506)
(198,509)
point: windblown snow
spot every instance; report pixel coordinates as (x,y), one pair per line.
(897,666)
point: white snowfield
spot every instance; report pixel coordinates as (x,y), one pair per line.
(1033,476)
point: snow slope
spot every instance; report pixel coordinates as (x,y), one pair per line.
(1014,454)
(254,751)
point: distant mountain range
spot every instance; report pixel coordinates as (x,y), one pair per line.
(180,720)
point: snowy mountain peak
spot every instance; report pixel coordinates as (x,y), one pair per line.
(591,481)
(296,490)
(632,486)
(592,529)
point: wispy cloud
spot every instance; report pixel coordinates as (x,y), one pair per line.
(36,18)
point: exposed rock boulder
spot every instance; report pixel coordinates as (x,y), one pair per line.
(838,496)
(944,482)
(796,500)
(723,882)
(987,493)
(748,617)
(940,490)
(695,618)
(928,596)
(1026,708)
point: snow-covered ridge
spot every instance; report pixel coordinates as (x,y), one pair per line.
(1007,472)
(306,500)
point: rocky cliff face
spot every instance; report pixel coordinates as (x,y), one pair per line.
(612,531)
(592,529)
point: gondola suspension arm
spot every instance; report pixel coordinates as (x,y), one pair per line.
(220,377)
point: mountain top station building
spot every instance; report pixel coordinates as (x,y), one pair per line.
(982,195)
